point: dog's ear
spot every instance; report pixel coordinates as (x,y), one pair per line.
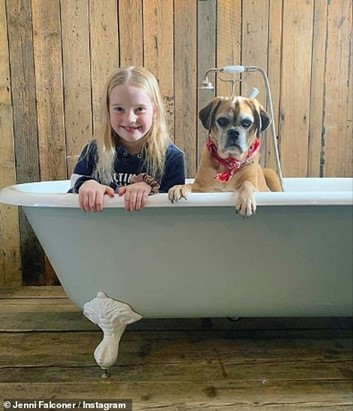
(261,118)
(207,114)
(265,119)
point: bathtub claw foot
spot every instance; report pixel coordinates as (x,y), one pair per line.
(112,317)
(105,374)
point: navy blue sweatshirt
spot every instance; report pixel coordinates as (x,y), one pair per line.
(126,166)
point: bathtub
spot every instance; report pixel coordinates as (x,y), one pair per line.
(198,258)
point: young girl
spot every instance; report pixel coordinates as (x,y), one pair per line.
(133,155)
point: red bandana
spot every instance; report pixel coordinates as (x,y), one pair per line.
(230,163)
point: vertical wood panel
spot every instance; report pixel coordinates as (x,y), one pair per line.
(349,132)
(77,80)
(229,26)
(255,32)
(25,125)
(131,32)
(49,89)
(273,72)
(206,59)
(23,90)
(317,88)
(255,43)
(295,86)
(337,160)
(10,270)
(158,23)
(104,60)
(185,79)
(49,97)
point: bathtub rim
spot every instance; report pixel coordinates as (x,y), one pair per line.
(21,195)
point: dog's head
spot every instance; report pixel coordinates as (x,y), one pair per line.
(234,123)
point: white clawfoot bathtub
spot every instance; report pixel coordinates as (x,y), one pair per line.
(198,258)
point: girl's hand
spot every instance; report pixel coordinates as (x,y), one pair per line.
(91,195)
(135,195)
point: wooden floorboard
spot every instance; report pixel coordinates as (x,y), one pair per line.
(46,352)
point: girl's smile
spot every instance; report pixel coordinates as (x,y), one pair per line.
(131,113)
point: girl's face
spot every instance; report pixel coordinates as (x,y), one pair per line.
(131,112)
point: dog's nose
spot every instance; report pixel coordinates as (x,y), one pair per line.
(233,134)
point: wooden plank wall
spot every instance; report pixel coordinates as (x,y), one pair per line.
(56,54)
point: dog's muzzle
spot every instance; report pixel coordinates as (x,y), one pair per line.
(234,139)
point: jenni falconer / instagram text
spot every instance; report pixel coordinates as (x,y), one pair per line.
(105,405)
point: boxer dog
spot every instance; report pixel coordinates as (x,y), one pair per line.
(230,159)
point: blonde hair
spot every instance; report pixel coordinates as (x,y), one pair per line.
(156,140)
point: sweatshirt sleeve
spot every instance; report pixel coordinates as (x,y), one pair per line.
(84,167)
(174,172)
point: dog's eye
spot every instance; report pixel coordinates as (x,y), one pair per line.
(246,123)
(222,121)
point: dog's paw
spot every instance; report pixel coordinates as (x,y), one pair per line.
(177,192)
(246,204)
